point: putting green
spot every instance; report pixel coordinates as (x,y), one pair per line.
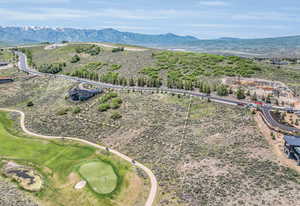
(100,176)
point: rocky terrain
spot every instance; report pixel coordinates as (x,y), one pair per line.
(11,195)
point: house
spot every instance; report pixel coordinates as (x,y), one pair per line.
(2,64)
(292,147)
(6,80)
(83,94)
(278,62)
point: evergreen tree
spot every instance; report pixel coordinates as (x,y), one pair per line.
(240,94)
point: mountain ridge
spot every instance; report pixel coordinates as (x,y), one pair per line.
(47,34)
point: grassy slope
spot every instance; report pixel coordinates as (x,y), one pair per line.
(55,160)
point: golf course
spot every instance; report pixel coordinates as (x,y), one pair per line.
(100,176)
(62,164)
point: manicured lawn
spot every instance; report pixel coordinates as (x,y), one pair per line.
(100,176)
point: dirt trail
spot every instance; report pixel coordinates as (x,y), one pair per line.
(276,145)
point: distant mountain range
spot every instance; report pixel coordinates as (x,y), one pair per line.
(226,45)
(17,35)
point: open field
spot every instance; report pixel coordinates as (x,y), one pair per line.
(202,153)
(56,161)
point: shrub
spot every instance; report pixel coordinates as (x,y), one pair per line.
(119,49)
(115,67)
(30,104)
(63,111)
(75,59)
(103,107)
(117,100)
(115,105)
(76,110)
(116,115)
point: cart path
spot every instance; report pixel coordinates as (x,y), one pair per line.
(154,186)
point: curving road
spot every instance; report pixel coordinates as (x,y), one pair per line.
(274,123)
(153,190)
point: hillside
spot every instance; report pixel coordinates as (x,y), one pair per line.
(281,46)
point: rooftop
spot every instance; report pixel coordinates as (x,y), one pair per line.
(292,140)
(6,77)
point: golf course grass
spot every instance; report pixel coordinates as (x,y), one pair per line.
(100,176)
(57,159)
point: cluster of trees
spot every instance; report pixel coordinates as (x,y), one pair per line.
(85,73)
(149,82)
(119,49)
(51,68)
(91,50)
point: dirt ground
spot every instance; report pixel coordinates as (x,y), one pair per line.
(276,144)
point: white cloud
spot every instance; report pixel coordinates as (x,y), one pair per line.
(213,3)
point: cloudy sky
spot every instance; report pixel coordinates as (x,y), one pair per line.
(204,19)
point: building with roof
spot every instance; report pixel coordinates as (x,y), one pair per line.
(292,147)
(83,94)
(2,64)
(6,80)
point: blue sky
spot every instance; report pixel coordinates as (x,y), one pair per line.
(204,19)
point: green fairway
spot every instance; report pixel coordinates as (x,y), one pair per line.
(100,176)
(58,157)
(56,160)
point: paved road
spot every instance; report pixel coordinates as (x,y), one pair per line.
(274,123)
(153,190)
